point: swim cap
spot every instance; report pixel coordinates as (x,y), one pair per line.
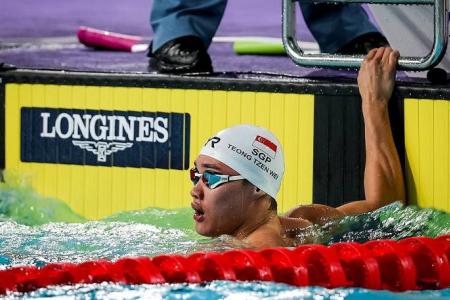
(252,151)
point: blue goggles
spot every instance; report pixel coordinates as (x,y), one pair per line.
(212,180)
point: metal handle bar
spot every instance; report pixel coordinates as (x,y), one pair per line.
(354,61)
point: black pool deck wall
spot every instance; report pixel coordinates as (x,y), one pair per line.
(339,146)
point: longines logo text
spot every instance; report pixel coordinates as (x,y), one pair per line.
(116,138)
(101,127)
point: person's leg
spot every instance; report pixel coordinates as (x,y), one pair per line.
(171,19)
(341,28)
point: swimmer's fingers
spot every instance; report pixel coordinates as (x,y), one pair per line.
(371,54)
(386,61)
(379,54)
(386,55)
(393,59)
(367,59)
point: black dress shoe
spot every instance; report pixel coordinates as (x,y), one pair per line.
(6,67)
(185,54)
(364,43)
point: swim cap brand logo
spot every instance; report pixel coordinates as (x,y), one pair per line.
(213,141)
(114,138)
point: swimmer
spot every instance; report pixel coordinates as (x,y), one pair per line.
(238,172)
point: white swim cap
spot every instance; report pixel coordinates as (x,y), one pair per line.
(252,151)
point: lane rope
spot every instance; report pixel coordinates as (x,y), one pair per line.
(414,263)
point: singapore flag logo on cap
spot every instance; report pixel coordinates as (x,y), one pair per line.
(265,145)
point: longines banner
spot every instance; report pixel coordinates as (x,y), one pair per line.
(105,138)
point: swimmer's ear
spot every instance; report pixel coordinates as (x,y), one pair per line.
(259,192)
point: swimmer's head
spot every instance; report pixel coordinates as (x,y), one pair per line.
(252,151)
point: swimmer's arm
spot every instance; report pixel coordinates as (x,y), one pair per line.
(383,177)
(305,215)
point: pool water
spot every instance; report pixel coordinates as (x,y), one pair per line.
(222,290)
(35,230)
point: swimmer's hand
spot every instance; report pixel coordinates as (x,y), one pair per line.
(376,78)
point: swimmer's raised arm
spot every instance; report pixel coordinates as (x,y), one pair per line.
(383,177)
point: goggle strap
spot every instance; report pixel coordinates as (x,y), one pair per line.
(235,177)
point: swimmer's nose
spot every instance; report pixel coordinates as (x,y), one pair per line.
(197,191)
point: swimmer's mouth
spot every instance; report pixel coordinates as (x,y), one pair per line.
(199,214)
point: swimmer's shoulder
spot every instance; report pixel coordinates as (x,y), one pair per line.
(267,237)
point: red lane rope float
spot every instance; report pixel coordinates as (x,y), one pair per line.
(176,268)
(445,244)
(322,263)
(286,267)
(430,260)
(360,266)
(248,265)
(397,267)
(411,264)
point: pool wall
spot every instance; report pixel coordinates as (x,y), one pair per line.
(110,165)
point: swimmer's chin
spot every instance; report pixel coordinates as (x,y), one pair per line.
(199,228)
(218,235)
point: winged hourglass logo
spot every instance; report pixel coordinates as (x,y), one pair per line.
(102,149)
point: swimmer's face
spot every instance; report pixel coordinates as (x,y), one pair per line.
(224,209)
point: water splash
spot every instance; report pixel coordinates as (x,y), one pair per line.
(19,202)
(78,242)
(36,230)
(177,218)
(394,221)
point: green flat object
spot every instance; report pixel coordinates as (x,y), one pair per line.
(258,48)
